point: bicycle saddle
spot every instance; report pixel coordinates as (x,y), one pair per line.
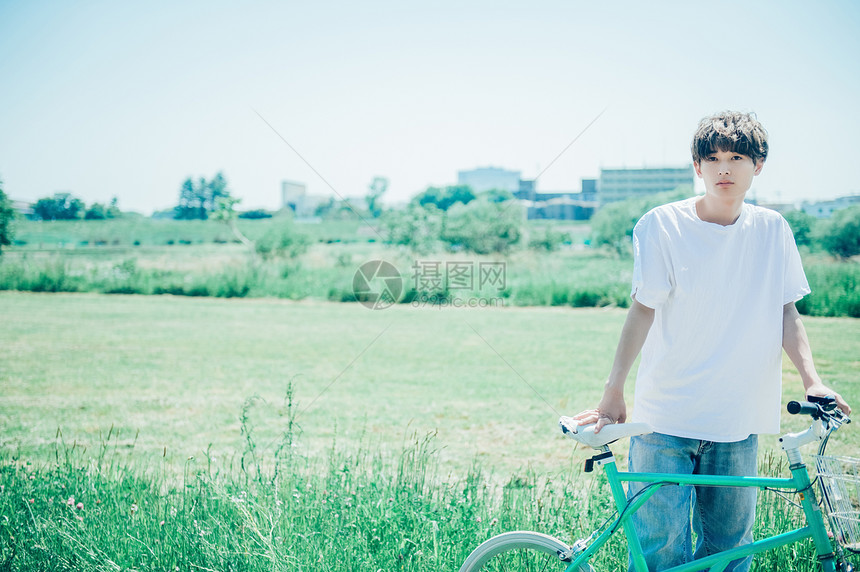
(585,433)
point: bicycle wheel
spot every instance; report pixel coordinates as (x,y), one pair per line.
(520,551)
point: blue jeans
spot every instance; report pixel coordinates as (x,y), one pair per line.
(722,517)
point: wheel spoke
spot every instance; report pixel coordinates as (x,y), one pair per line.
(522,560)
(545,564)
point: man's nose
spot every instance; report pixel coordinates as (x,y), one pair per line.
(724,169)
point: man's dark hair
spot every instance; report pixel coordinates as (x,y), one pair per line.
(730,131)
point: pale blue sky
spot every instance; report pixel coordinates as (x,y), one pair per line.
(128,99)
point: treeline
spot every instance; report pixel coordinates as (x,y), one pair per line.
(839,236)
(456,219)
(201,199)
(452,218)
(64,206)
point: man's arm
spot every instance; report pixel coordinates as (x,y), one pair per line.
(612,408)
(796,345)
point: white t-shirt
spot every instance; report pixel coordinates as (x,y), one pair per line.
(712,362)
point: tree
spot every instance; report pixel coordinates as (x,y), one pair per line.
(113,209)
(324,210)
(225,211)
(374,195)
(483,226)
(613,224)
(841,235)
(255,214)
(497,196)
(62,206)
(802,225)
(415,226)
(445,197)
(190,204)
(549,239)
(214,190)
(198,200)
(453,217)
(282,241)
(97,211)
(7,215)
(338,209)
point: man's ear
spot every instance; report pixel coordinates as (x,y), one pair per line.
(758,166)
(698,168)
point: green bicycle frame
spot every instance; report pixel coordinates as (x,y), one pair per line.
(799,483)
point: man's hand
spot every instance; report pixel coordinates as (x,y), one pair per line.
(611,409)
(820,390)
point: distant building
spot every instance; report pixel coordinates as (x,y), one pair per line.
(619,184)
(824,209)
(561,206)
(589,189)
(293,194)
(527,190)
(781,208)
(294,197)
(490,178)
(558,205)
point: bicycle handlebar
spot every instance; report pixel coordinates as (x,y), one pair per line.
(804,408)
(820,409)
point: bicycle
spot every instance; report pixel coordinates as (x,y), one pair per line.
(838,479)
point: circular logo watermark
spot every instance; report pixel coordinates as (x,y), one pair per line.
(377,284)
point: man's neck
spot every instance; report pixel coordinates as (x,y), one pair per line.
(719,211)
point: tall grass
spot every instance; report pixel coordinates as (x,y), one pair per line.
(358,510)
(835,290)
(577,278)
(282,279)
(270,508)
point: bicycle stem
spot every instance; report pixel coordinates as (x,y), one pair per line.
(792,442)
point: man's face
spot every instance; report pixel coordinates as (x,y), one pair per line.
(728,174)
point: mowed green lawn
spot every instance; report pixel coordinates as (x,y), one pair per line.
(172,376)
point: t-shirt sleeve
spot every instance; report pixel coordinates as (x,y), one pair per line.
(651,270)
(795,283)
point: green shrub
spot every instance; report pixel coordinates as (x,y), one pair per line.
(841,234)
(282,241)
(7,216)
(483,226)
(415,227)
(802,225)
(233,283)
(548,239)
(835,290)
(53,275)
(613,224)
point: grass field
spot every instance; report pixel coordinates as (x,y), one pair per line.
(491,381)
(421,432)
(179,370)
(140,231)
(145,232)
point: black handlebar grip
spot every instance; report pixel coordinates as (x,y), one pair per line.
(804,408)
